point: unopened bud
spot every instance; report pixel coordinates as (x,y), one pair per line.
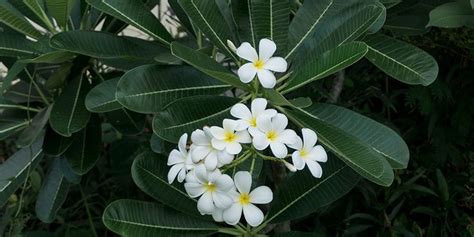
(231,46)
(290,167)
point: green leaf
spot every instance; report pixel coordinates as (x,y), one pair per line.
(136,218)
(14,19)
(60,10)
(55,144)
(442,186)
(149,88)
(106,45)
(102,97)
(38,8)
(136,14)
(86,147)
(302,194)
(356,153)
(52,194)
(205,14)
(270,19)
(69,174)
(52,57)
(452,15)
(328,63)
(34,129)
(150,174)
(57,78)
(401,60)
(16,169)
(12,45)
(188,114)
(69,113)
(206,64)
(12,75)
(12,121)
(126,122)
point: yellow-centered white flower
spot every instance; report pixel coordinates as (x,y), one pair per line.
(262,64)
(212,188)
(248,118)
(244,201)
(180,160)
(227,138)
(202,150)
(272,132)
(308,154)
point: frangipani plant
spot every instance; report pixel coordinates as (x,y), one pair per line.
(199,89)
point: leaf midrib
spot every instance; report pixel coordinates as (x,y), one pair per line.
(174,90)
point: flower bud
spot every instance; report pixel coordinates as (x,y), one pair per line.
(290,167)
(231,46)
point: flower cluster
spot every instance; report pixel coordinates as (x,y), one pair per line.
(212,148)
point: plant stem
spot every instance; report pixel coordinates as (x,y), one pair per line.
(40,92)
(231,231)
(89,216)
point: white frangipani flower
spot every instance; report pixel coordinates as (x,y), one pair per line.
(227,138)
(244,200)
(180,161)
(272,132)
(248,118)
(202,149)
(308,154)
(212,187)
(261,64)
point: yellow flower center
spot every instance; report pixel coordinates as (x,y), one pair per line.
(210,187)
(229,137)
(272,135)
(259,64)
(253,122)
(244,199)
(304,153)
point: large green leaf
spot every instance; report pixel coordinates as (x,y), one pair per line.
(16,169)
(206,64)
(60,10)
(86,147)
(107,46)
(326,64)
(12,45)
(302,194)
(126,122)
(139,219)
(69,113)
(452,15)
(52,194)
(206,15)
(55,144)
(102,97)
(134,13)
(34,129)
(13,18)
(401,60)
(147,89)
(356,153)
(188,114)
(380,137)
(12,121)
(52,57)
(270,19)
(38,8)
(12,75)
(150,174)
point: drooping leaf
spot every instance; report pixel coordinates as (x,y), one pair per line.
(401,60)
(60,10)
(134,13)
(34,129)
(55,144)
(126,122)
(52,194)
(14,19)
(139,219)
(150,174)
(38,8)
(102,97)
(69,113)
(12,121)
(86,147)
(355,152)
(189,114)
(206,15)
(58,77)
(206,64)
(147,89)
(452,15)
(12,45)
(16,169)
(326,64)
(68,172)
(302,194)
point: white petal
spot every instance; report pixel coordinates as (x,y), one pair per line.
(221,200)
(243,137)
(266,49)
(309,138)
(279,149)
(241,111)
(201,174)
(260,142)
(199,152)
(247,72)
(295,143)
(229,125)
(270,112)
(279,122)
(232,214)
(318,154)
(181,175)
(289,137)
(224,158)
(194,190)
(266,78)
(218,144)
(243,181)
(264,123)
(258,106)
(276,64)
(298,162)
(217,215)
(182,143)
(205,204)
(174,170)
(175,157)
(211,161)
(217,132)
(233,148)
(254,131)
(242,125)
(224,183)
(253,215)
(314,168)
(198,137)
(261,195)
(247,52)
